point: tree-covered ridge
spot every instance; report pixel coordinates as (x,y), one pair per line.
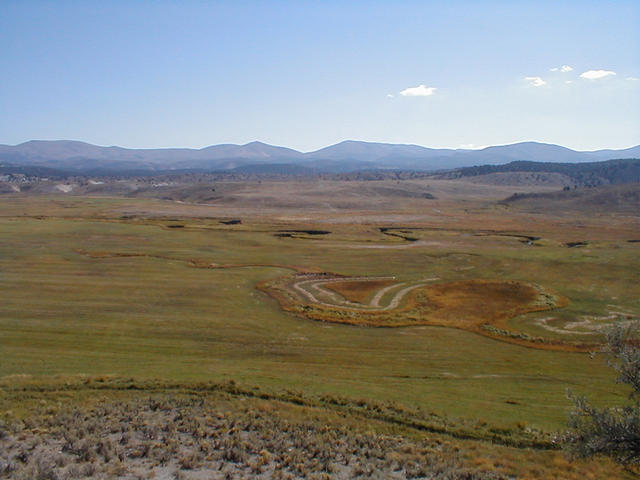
(590,173)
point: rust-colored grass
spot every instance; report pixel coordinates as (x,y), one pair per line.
(471,305)
(358,291)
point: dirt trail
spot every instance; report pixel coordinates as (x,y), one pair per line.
(372,306)
(316,284)
(375,301)
(395,301)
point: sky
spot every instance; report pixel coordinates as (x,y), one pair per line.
(307,74)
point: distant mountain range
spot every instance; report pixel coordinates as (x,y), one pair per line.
(80,157)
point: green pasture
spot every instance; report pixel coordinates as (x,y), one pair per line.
(157,317)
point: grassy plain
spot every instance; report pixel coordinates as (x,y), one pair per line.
(158,291)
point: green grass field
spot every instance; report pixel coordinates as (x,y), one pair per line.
(88,292)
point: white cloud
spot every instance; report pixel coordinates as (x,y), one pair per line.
(535,81)
(633,79)
(390,95)
(472,146)
(568,82)
(563,68)
(419,91)
(596,74)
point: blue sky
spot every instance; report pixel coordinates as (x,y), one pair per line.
(309,74)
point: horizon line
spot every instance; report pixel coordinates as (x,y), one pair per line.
(464,147)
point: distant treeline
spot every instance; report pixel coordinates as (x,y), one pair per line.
(626,170)
(31,171)
(578,174)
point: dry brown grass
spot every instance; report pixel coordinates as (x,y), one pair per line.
(211,435)
(358,291)
(197,437)
(470,304)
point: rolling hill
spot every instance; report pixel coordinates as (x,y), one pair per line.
(620,199)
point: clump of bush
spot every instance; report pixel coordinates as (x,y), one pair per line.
(517,335)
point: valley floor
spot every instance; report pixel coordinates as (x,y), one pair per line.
(136,342)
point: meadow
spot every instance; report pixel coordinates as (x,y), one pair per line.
(113,298)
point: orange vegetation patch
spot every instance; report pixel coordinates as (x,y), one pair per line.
(479,306)
(358,291)
(472,303)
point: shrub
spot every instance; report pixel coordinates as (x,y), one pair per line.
(613,431)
